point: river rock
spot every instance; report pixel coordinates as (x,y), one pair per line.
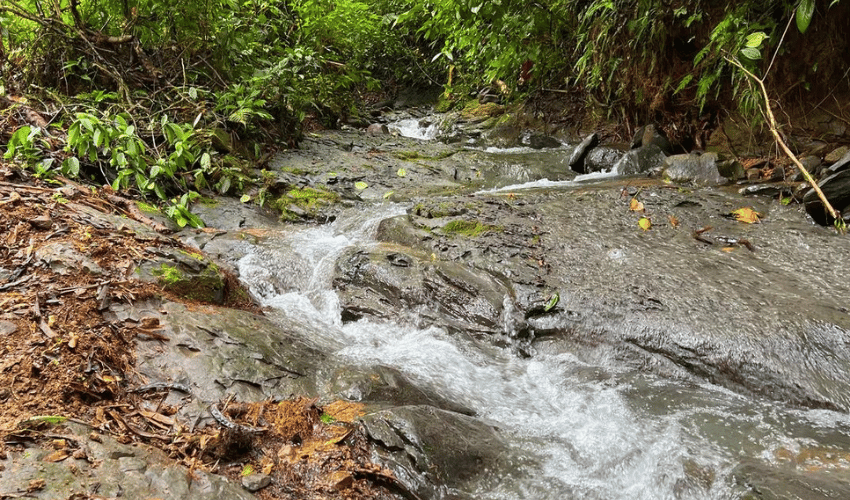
(841,164)
(377,129)
(255,482)
(540,141)
(432,450)
(836,154)
(577,157)
(836,188)
(601,159)
(698,169)
(642,160)
(650,134)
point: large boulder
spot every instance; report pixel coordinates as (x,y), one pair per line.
(645,159)
(601,159)
(701,170)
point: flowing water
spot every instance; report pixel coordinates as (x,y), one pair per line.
(595,431)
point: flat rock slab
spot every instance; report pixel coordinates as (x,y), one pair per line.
(109,470)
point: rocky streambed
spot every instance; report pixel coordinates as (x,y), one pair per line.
(518,334)
(517,330)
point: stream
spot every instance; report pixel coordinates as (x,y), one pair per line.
(515,334)
(592,430)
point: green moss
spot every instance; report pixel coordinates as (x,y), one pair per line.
(168,275)
(294,170)
(469,229)
(306,199)
(208,286)
(475,110)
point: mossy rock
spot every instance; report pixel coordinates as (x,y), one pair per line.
(469,229)
(474,110)
(206,286)
(304,202)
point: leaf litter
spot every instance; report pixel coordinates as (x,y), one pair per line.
(61,360)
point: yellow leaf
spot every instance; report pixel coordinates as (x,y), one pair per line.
(747,215)
(644,223)
(635,205)
(728,249)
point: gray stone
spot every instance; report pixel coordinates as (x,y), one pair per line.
(577,157)
(601,159)
(255,482)
(7,327)
(377,129)
(540,141)
(639,161)
(118,471)
(650,134)
(836,188)
(433,449)
(698,169)
(842,164)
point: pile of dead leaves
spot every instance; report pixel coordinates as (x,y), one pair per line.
(60,359)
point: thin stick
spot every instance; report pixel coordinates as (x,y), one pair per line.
(771,119)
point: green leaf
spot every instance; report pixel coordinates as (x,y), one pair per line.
(401,172)
(751,53)
(360,185)
(754,40)
(245,198)
(71,167)
(206,161)
(805,11)
(553,301)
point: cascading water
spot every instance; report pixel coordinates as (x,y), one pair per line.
(595,431)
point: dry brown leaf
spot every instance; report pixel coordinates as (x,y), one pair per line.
(674,221)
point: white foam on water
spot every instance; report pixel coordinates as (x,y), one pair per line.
(415,128)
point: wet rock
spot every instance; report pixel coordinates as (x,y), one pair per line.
(601,159)
(255,482)
(836,188)
(642,160)
(772,189)
(698,169)
(387,386)
(540,141)
(650,134)
(432,450)
(377,129)
(836,155)
(453,295)
(189,275)
(842,164)
(577,157)
(230,214)
(765,482)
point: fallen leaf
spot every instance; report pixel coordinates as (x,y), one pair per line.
(728,249)
(674,221)
(401,172)
(57,456)
(635,205)
(360,185)
(644,223)
(747,215)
